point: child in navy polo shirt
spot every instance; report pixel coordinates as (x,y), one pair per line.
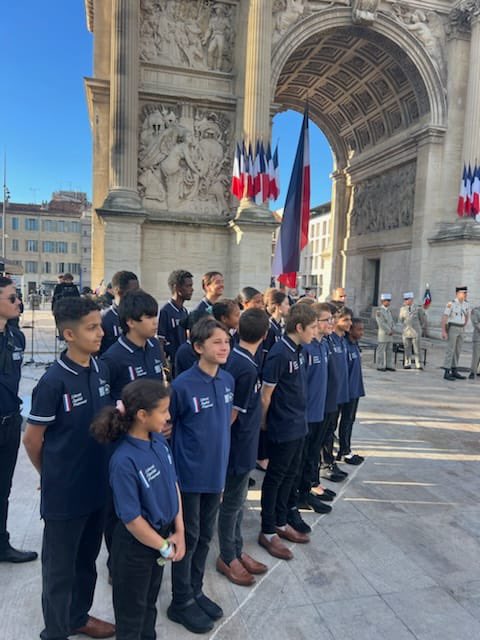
(122,282)
(277,306)
(136,353)
(317,374)
(213,285)
(147,501)
(228,313)
(250,298)
(201,411)
(337,392)
(172,330)
(186,356)
(233,562)
(284,403)
(73,468)
(356,391)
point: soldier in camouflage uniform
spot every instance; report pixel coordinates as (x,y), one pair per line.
(454,319)
(386,325)
(414,321)
(475,318)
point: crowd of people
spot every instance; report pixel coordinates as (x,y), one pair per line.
(146,429)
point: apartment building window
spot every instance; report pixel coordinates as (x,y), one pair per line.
(73,268)
(73,247)
(48,246)
(31,266)
(62,247)
(60,267)
(15,245)
(31,246)
(75,227)
(31,224)
(15,224)
(49,225)
(47,267)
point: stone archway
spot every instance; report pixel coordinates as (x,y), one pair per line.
(371,89)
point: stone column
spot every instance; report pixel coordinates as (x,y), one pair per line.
(471,143)
(124,82)
(257,99)
(338,227)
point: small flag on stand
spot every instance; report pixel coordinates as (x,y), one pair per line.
(427,297)
(293,232)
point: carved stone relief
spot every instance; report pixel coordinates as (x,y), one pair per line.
(184,160)
(364,11)
(285,13)
(428,28)
(187,33)
(460,18)
(384,202)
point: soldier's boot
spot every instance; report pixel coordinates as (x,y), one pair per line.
(457,375)
(448,375)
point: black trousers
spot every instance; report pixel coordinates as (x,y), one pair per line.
(230,517)
(111,521)
(136,581)
(278,489)
(9,442)
(199,515)
(262,446)
(69,551)
(347,419)
(308,475)
(327,447)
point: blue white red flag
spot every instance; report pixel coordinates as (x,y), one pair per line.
(275,184)
(293,232)
(427,297)
(236,187)
(463,193)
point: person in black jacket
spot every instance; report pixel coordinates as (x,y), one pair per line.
(65,289)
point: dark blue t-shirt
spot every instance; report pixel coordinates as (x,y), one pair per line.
(127,362)
(246,400)
(111,328)
(74,475)
(201,410)
(185,358)
(285,369)
(12,346)
(204,307)
(337,386)
(142,477)
(316,354)
(355,377)
(171,328)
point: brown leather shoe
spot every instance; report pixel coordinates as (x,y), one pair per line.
(291,534)
(275,547)
(253,566)
(235,572)
(96,628)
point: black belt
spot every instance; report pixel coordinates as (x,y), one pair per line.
(5,419)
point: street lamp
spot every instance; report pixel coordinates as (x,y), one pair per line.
(6,197)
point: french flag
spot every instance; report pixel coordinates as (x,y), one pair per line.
(275,178)
(250,170)
(236,187)
(264,174)
(476,191)
(463,193)
(257,176)
(293,232)
(468,197)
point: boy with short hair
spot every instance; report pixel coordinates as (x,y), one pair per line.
(172,330)
(233,562)
(356,391)
(137,352)
(213,285)
(284,402)
(73,468)
(122,282)
(201,410)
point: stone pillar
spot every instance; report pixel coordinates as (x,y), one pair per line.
(124,73)
(338,228)
(257,99)
(471,143)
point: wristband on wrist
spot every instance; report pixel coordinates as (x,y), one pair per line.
(166,549)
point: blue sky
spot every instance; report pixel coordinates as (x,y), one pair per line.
(44,128)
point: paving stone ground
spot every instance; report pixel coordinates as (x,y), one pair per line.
(397,559)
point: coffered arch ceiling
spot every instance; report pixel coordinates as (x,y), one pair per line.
(362,87)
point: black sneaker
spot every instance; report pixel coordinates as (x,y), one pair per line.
(354,459)
(295,520)
(337,469)
(318,505)
(210,607)
(457,375)
(251,482)
(9,554)
(329,474)
(471,376)
(191,616)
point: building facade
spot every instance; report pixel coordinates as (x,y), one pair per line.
(395,87)
(316,259)
(47,240)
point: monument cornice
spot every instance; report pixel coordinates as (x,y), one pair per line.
(456,232)
(90,14)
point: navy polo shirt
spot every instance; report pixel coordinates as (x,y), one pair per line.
(111,327)
(185,358)
(204,306)
(74,476)
(337,385)
(12,346)
(285,368)
(201,410)
(126,362)
(355,377)
(316,354)
(275,332)
(142,477)
(245,430)
(170,329)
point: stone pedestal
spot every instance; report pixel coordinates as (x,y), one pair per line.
(338,228)
(123,244)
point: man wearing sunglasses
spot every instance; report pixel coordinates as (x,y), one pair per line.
(12,345)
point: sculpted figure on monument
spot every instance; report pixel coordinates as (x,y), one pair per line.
(428,28)
(364,11)
(285,13)
(184,160)
(384,202)
(189,33)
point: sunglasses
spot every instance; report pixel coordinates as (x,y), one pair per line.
(11,298)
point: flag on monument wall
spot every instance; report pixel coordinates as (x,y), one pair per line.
(255,175)
(469,195)
(293,232)
(237,187)
(275,183)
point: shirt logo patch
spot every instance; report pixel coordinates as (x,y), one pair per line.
(104,390)
(17,355)
(293,366)
(72,400)
(228,395)
(158,368)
